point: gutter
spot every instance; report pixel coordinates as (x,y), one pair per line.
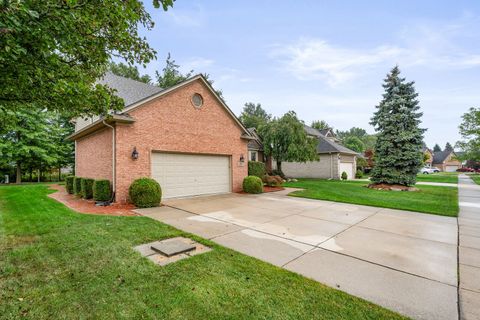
(113,159)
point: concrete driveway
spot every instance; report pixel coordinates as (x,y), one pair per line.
(404,261)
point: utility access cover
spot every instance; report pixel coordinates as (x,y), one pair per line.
(172,247)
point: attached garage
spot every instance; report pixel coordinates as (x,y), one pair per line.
(347,167)
(183,175)
(451,168)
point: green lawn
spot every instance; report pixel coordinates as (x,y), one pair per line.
(430,199)
(447,177)
(56,263)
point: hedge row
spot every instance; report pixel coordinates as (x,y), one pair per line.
(88,188)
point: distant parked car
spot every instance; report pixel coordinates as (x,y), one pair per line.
(466,169)
(427,170)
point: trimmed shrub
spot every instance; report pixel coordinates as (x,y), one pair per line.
(252,184)
(145,193)
(359,174)
(69,184)
(77,187)
(101,190)
(256,168)
(344,175)
(87,188)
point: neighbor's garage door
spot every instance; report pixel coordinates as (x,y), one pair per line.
(348,168)
(182,175)
(451,168)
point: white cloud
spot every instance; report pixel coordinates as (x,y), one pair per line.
(426,45)
(198,64)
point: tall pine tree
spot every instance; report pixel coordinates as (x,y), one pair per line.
(398,150)
(448,147)
(437,148)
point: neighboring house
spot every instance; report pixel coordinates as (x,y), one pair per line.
(446,161)
(185,137)
(255,150)
(428,156)
(333,159)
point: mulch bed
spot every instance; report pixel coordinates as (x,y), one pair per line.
(88,206)
(391,187)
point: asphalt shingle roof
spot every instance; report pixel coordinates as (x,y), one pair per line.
(440,156)
(326,145)
(131,91)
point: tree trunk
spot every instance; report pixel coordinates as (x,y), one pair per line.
(279,169)
(38,175)
(19,173)
(59,174)
(31,174)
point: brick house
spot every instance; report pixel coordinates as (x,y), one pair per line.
(185,137)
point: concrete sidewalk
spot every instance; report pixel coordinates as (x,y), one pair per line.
(404,261)
(469,248)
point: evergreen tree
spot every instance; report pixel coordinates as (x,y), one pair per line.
(437,148)
(398,150)
(253,115)
(448,147)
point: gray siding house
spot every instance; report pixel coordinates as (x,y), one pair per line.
(333,159)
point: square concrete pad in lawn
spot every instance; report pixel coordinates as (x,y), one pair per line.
(303,229)
(338,214)
(410,225)
(431,259)
(272,249)
(407,294)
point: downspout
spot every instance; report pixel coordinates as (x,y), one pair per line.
(114,171)
(331,166)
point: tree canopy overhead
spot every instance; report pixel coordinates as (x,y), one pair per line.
(398,149)
(52,52)
(320,125)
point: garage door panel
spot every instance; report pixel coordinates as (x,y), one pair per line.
(348,168)
(183,175)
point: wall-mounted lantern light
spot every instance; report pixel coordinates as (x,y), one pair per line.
(134,153)
(242,158)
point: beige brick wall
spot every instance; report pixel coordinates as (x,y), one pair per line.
(171,123)
(325,168)
(93,157)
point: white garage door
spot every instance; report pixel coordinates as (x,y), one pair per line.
(451,168)
(182,175)
(348,168)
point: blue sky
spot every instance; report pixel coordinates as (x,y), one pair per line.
(327,59)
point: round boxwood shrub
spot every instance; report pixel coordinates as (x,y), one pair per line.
(252,184)
(87,188)
(344,176)
(256,168)
(77,185)
(69,184)
(101,190)
(145,193)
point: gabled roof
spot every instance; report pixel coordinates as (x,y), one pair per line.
(131,91)
(425,148)
(440,156)
(256,143)
(136,94)
(326,145)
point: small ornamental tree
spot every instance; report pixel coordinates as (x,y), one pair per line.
(285,140)
(398,150)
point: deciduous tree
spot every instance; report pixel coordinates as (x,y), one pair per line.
(285,140)
(470,132)
(320,125)
(253,115)
(354,143)
(128,71)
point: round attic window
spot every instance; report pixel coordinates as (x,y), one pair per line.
(197,100)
